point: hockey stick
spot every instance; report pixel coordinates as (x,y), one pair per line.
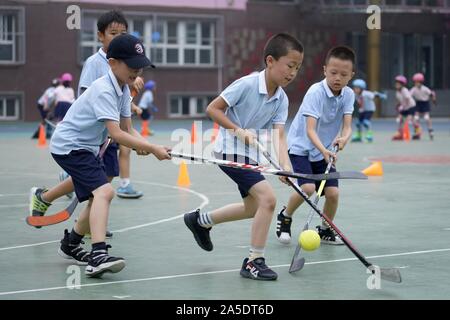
(42,221)
(298,263)
(51,124)
(389,274)
(267,170)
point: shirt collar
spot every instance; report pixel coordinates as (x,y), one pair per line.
(263,87)
(330,93)
(102,53)
(116,86)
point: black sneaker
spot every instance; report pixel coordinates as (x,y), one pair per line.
(284,227)
(100,262)
(327,236)
(431,133)
(201,234)
(257,270)
(73,251)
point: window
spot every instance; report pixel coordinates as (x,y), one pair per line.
(12,35)
(183,43)
(188,106)
(9,107)
(167,41)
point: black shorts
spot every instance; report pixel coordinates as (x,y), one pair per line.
(61,110)
(365,115)
(86,170)
(423,106)
(301,164)
(111,160)
(245,179)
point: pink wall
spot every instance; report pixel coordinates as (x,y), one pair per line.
(206,4)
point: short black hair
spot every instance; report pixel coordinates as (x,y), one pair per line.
(110,17)
(279,45)
(343,53)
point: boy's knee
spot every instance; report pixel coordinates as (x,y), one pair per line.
(269,202)
(309,188)
(332,194)
(107,192)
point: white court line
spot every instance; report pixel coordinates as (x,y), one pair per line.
(13,194)
(177,276)
(204,203)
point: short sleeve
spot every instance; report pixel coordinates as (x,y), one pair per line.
(125,108)
(233,93)
(282,112)
(105,107)
(88,75)
(311,106)
(349,102)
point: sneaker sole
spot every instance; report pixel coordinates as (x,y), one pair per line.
(129,196)
(284,238)
(65,256)
(188,224)
(247,275)
(332,243)
(111,267)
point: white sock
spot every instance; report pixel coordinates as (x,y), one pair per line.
(204,219)
(124,182)
(255,253)
(324,226)
(286,214)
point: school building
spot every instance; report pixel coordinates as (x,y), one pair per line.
(201,46)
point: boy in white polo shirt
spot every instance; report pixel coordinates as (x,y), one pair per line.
(254,102)
(102,110)
(323,120)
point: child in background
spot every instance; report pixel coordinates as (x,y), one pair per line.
(43,105)
(366,107)
(147,104)
(64,97)
(422,95)
(405,105)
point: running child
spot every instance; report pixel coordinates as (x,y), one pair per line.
(64,96)
(323,120)
(147,103)
(102,110)
(253,102)
(44,103)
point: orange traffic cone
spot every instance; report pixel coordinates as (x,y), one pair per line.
(183,176)
(42,141)
(215,132)
(406,134)
(144,129)
(193,133)
(375,169)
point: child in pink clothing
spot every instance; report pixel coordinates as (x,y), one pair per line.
(405,105)
(422,95)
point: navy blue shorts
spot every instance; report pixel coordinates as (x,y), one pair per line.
(61,110)
(301,164)
(365,115)
(86,170)
(423,106)
(408,112)
(111,160)
(245,179)
(42,112)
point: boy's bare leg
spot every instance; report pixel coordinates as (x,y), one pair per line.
(58,191)
(98,217)
(235,211)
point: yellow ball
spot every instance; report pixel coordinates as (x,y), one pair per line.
(309,240)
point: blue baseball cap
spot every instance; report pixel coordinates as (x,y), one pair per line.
(130,50)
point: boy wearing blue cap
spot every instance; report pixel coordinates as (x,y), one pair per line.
(102,110)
